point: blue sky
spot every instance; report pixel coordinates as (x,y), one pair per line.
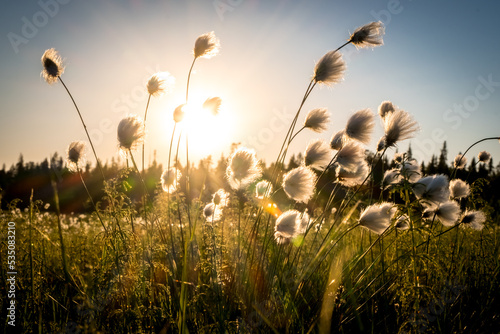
(440,62)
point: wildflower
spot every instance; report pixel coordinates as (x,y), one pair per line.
(263,189)
(206,45)
(213,105)
(460,161)
(329,69)
(381,144)
(360,126)
(391,176)
(399,157)
(402,223)
(337,140)
(220,198)
(52,66)
(170,179)
(317,154)
(317,120)
(351,178)
(350,155)
(447,213)
(399,125)
(298,184)
(76,156)
(130,132)
(159,83)
(459,188)
(369,35)
(432,189)
(410,170)
(286,227)
(179,113)
(377,217)
(484,156)
(473,219)
(242,168)
(212,212)
(385,108)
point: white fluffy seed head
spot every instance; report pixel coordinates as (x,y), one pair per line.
(52,66)
(130,132)
(170,179)
(160,83)
(350,156)
(337,140)
(220,198)
(484,156)
(75,156)
(206,45)
(410,170)
(369,35)
(355,177)
(242,168)
(286,227)
(459,188)
(399,125)
(212,212)
(460,161)
(317,120)
(386,108)
(317,154)
(360,126)
(391,176)
(377,217)
(299,183)
(402,223)
(213,105)
(448,213)
(432,190)
(473,219)
(330,69)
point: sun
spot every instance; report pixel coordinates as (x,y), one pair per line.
(207,133)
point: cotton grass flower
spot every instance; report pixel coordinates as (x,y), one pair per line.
(286,227)
(159,83)
(213,105)
(460,162)
(317,154)
(402,223)
(212,212)
(368,36)
(221,198)
(473,219)
(432,190)
(304,222)
(76,156)
(360,126)
(52,66)
(263,189)
(350,156)
(330,69)
(242,168)
(130,132)
(399,125)
(337,140)
(170,179)
(298,184)
(484,157)
(206,45)
(350,178)
(447,213)
(386,108)
(317,120)
(459,188)
(377,217)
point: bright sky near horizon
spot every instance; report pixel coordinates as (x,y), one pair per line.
(440,62)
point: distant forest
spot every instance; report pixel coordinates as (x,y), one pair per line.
(17,182)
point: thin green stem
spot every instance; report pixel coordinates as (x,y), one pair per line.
(145,115)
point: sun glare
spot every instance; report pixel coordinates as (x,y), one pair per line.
(208,134)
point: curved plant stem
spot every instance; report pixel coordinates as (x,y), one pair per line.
(84,127)
(145,115)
